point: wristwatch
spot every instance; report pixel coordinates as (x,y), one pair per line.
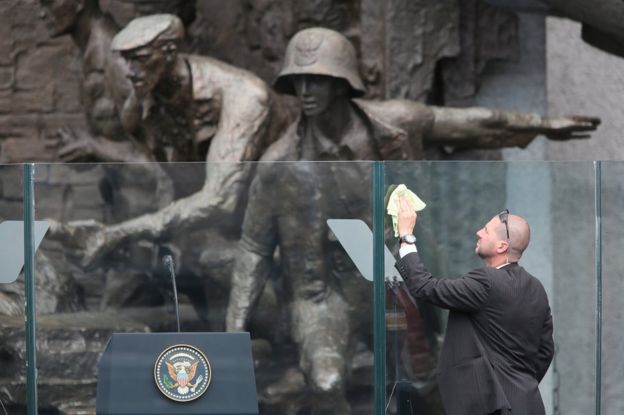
(408,239)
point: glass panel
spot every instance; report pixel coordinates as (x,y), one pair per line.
(11,231)
(461,197)
(12,295)
(612,288)
(294,288)
(11,188)
(574,290)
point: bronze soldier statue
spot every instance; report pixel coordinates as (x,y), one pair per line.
(289,204)
(187,104)
(321,69)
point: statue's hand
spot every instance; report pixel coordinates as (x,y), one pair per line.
(137,97)
(87,240)
(96,245)
(132,112)
(565,128)
(73,148)
(81,149)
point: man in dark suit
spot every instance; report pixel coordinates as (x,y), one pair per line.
(498,342)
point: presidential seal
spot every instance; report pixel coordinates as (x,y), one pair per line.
(182,373)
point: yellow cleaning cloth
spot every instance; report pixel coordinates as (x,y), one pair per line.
(393,204)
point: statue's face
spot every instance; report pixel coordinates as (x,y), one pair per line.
(317,92)
(60,15)
(147,66)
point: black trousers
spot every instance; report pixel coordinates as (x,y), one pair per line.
(501,412)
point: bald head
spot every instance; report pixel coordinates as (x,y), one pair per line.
(519,236)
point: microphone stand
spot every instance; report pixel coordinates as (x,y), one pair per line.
(168,262)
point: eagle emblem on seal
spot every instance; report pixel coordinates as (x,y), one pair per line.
(182,373)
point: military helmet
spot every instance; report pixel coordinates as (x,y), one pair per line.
(144,30)
(319,51)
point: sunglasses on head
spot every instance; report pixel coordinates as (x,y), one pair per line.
(503,216)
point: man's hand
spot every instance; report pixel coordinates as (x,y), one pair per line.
(406,220)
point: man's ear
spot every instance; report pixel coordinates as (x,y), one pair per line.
(503,246)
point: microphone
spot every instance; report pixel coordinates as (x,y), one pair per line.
(168,263)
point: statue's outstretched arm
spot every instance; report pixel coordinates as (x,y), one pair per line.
(490,128)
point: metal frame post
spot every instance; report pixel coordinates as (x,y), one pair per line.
(29,283)
(598,249)
(379,290)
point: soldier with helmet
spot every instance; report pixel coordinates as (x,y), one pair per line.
(321,69)
(289,203)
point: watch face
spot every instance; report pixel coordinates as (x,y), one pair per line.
(410,239)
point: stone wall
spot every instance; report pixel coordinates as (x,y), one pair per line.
(39,84)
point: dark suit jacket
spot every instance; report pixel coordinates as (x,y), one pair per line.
(498,342)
